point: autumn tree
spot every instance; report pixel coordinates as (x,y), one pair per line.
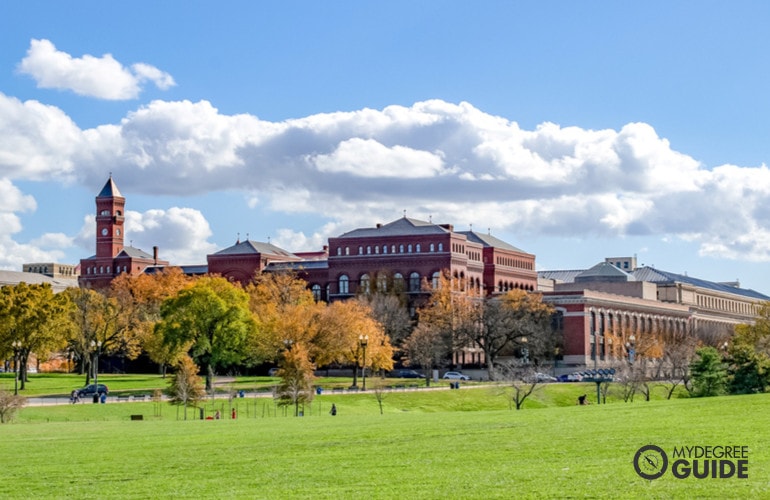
(34,317)
(185,387)
(210,321)
(296,372)
(337,338)
(446,313)
(139,298)
(283,309)
(390,311)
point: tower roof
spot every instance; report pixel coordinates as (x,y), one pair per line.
(110,190)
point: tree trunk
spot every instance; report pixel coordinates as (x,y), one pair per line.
(209,377)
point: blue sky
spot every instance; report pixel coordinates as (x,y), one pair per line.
(573,130)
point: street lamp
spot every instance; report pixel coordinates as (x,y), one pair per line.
(96,347)
(16,344)
(363,341)
(525,350)
(631,349)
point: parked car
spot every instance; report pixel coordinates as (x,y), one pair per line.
(405,374)
(571,377)
(91,389)
(456,376)
(544,377)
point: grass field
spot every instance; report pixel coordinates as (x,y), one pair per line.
(438,444)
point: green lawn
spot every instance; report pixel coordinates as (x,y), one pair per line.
(437,444)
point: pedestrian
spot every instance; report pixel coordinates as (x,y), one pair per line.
(333,411)
(582,400)
(74,396)
(217,415)
(103,397)
(233,414)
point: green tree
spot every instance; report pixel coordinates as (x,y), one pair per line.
(185,387)
(296,372)
(749,370)
(98,329)
(35,317)
(709,376)
(139,298)
(210,321)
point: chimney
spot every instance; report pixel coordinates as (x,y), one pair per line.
(155,254)
(379,225)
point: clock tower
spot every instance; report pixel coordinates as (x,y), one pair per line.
(110,215)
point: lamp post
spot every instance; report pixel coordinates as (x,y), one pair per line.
(631,349)
(525,350)
(363,341)
(16,344)
(96,346)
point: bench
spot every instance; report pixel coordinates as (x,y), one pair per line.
(139,397)
(123,398)
(137,417)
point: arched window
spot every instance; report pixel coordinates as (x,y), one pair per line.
(417,248)
(382,282)
(409,248)
(414,282)
(316,289)
(339,250)
(384,248)
(344,284)
(366,286)
(435,280)
(360,250)
(347,250)
(398,282)
(440,247)
(368,250)
(432,247)
(401,249)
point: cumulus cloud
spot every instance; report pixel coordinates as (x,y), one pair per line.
(100,77)
(450,161)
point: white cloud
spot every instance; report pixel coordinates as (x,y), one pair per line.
(449,161)
(100,77)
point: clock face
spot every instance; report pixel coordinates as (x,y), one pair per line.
(105,231)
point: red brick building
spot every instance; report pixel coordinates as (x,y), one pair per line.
(112,256)
(407,251)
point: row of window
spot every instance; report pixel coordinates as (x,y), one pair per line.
(521,264)
(504,286)
(735,306)
(100,269)
(385,249)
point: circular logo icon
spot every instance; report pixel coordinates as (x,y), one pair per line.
(650,462)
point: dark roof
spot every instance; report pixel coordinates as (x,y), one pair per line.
(189,270)
(110,190)
(400,227)
(489,241)
(255,247)
(657,276)
(604,271)
(134,253)
(302,265)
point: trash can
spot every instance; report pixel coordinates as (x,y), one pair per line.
(96,397)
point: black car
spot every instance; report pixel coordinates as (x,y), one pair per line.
(405,374)
(91,389)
